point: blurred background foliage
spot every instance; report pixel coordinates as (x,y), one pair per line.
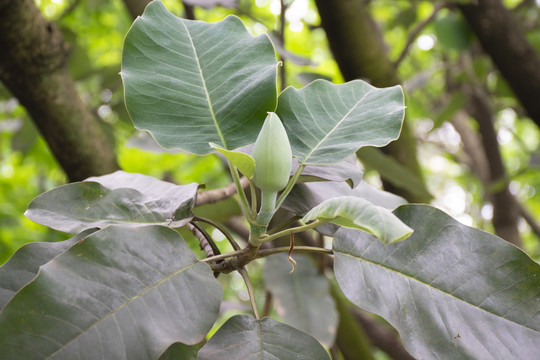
(442,53)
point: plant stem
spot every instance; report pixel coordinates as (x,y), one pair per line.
(224,231)
(249,287)
(243,199)
(289,186)
(224,256)
(283,249)
(285,232)
(253,197)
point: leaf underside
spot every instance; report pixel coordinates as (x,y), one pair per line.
(191,83)
(327,123)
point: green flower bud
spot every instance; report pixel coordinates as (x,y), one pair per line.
(273,156)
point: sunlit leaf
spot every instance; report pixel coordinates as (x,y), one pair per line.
(327,123)
(452,292)
(241,160)
(190,82)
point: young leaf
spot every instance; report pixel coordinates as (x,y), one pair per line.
(241,160)
(358,213)
(302,298)
(452,292)
(120,293)
(327,123)
(117,198)
(190,83)
(243,337)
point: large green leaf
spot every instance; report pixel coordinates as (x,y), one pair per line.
(191,83)
(357,213)
(452,292)
(327,123)
(243,337)
(121,293)
(23,266)
(302,298)
(117,198)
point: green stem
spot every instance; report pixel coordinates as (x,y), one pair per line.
(253,197)
(243,199)
(290,185)
(251,293)
(286,232)
(305,249)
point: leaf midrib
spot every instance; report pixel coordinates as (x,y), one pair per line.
(126,303)
(207,94)
(336,126)
(435,288)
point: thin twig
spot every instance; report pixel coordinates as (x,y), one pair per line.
(289,257)
(251,293)
(224,256)
(205,241)
(224,231)
(416,31)
(213,196)
(281,36)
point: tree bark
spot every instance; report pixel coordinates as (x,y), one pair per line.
(360,52)
(33,68)
(502,38)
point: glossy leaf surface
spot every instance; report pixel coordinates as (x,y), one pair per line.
(243,337)
(327,123)
(121,293)
(452,292)
(191,83)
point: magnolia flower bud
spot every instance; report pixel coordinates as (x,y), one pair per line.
(273,156)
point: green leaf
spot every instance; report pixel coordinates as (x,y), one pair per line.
(117,198)
(345,170)
(181,351)
(191,83)
(243,337)
(122,292)
(23,266)
(302,298)
(393,172)
(452,292)
(357,213)
(305,197)
(453,32)
(241,160)
(327,123)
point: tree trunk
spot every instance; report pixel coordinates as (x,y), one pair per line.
(360,52)
(33,68)
(501,36)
